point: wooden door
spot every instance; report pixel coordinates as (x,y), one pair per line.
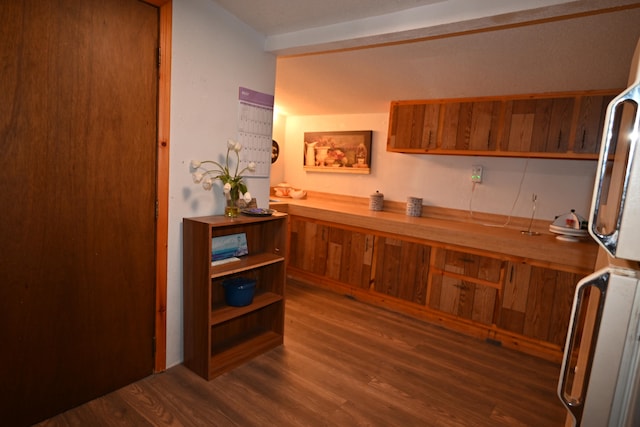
(407,125)
(349,257)
(471,125)
(538,125)
(308,245)
(537,302)
(590,123)
(77,189)
(414,126)
(430,126)
(402,269)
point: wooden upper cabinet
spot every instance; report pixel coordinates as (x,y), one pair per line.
(590,123)
(416,125)
(537,125)
(559,125)
(470,126)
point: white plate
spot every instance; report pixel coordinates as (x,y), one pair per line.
(568,231)
(558,227)
(566,238)
(571,234)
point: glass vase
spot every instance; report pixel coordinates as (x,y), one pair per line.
(231,210)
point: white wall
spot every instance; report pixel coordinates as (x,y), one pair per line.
(279,130)
(561,185)
(212,55)
(578,54)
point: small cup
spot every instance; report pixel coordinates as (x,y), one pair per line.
(414,206)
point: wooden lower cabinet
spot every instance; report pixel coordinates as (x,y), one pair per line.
(465,285)
(337,253)
(308,245)
(537,302)
(402,269)
(349,257)
(491,296)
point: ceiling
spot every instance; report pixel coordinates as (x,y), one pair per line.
(360,54)
(271,17)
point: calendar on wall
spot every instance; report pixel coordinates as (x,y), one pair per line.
(255,127)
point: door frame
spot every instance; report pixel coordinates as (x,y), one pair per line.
(162,180)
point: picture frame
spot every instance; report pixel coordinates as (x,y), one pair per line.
(338,152)
(229,246)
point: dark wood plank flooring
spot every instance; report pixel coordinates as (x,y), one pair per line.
(345,363)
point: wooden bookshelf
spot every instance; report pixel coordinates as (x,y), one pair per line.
(218,337)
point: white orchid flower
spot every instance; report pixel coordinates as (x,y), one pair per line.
(231,144)
(237,147)
(252,166)
(247,197)
(195,164)
(227,188)
(197,177)
(207,184)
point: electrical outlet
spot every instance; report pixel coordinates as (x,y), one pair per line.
(476,174)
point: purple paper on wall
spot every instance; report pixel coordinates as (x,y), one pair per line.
(256,98)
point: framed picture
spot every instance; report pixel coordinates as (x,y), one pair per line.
(339,152)
(232,245)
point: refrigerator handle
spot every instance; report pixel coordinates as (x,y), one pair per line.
(573,399)
(610,240)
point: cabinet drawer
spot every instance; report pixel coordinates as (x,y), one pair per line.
(463,299)
(464,265)
(465,285)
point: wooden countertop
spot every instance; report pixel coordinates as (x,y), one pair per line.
(450,227)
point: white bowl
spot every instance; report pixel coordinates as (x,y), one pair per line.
(298,194)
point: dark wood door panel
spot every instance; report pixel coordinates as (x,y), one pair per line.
(77,188)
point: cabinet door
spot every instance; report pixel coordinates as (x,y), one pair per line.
(470,126)
(349,257)
(537,302)
(430,126)
(407,123)
(402,269)
(590,123)
(538,125)
(308,245)
(414,126)
(465,285)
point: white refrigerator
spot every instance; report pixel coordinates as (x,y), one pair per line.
(600,376)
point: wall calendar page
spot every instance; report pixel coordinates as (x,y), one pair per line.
(255,126)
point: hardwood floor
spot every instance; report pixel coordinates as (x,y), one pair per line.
(345,363)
